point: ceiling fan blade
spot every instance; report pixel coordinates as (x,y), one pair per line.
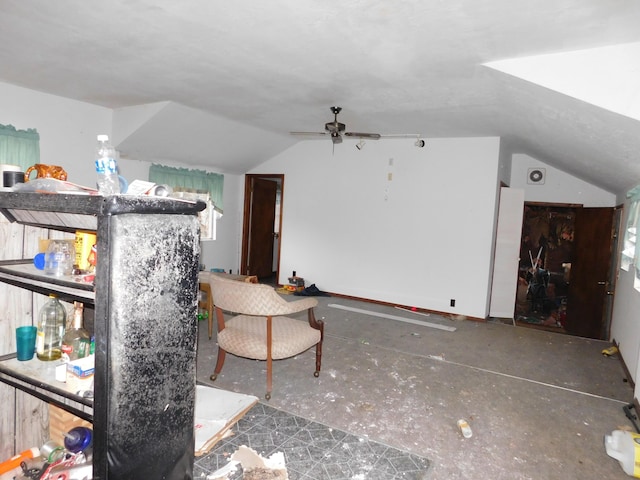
(370,136)
(336,129)
(308,133)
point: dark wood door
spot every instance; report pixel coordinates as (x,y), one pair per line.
(261,227)
(592,261)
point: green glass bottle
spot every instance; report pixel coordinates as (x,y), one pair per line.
(76,342)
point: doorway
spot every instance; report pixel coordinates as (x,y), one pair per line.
(566,257)
(262,221)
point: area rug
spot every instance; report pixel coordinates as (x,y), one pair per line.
(312,451)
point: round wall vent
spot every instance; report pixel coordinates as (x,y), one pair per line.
(535,176)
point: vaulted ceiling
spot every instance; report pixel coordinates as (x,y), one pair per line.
(237,77)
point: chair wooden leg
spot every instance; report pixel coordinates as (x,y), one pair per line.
(318,325)
(219,364)
(269,373)
(269,358)
(318,359)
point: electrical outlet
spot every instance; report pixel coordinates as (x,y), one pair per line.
(452,302)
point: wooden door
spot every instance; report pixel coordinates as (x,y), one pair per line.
(590,272)
(261,220)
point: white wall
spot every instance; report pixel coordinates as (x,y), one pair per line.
(625,324)
(68,130)
(625,327)
(559,187)
(419,239)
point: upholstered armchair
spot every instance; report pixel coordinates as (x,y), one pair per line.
(261,330)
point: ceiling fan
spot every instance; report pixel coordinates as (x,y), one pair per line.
(336,129)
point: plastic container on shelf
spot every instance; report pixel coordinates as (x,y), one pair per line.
(107,167)
(59,258)
(51,327)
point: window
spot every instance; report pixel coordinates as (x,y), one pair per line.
(186,180)
(630,255)
(194,185)
(629,243)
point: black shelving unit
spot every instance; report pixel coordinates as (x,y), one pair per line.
(145,301)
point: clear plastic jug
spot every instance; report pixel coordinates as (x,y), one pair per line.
(59,257)
(625,447)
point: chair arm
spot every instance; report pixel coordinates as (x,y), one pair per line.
(297,305)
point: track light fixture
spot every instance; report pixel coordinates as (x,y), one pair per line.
(360,144)
(419,143)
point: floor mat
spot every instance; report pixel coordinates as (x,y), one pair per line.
(312,451)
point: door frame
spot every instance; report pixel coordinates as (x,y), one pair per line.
(246,217)
(613,260)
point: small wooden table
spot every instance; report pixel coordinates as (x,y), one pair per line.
(206,299)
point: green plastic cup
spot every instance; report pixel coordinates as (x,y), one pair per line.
(25,342)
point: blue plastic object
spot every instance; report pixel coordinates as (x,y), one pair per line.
(78,439)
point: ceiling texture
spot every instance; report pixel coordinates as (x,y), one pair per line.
(230,80)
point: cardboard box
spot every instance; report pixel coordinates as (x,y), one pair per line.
(80,374)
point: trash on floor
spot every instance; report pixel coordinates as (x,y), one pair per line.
(624,447)
(254,466)
(465,429)
(215,413)
(311,291)
(413,310)
(608,352)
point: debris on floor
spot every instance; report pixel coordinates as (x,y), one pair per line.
(254,466)
(465,429)
(621,445)
(608,352)
(413,310)
(216,412)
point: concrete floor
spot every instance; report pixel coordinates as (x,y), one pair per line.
(539,403)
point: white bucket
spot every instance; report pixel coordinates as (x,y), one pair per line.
(624,447)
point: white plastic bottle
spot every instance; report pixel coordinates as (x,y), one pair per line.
(625,447)
(107,167)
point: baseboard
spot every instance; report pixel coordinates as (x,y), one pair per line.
(452,316)
(627,374)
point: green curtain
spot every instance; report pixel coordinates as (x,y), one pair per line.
(184,179)
(19,147)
